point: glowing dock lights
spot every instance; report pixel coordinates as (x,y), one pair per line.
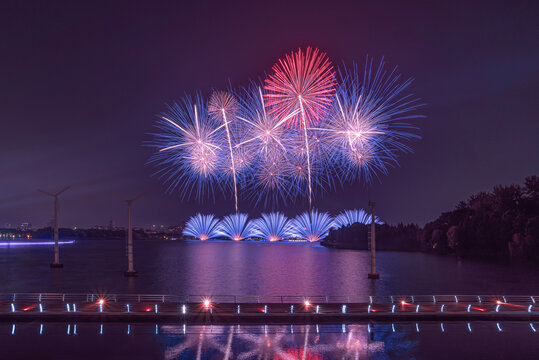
(343,310)
(499,327)
(469,327)
(291,309)
(469,307)
(498,308)
(369,308)
(530,308)
(417,308)
(265,309)
(184,309)
(68,308)
(533,327)
(442,327)
(442,308)
(393,327)
(155,308)
(40,307)
(317,309)
(12,307)
(41,329)
(238,309)
(127,307)
(101,302)
(393,308)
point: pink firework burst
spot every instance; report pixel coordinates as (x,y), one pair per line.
(301,81)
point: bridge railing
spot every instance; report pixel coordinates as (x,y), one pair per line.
(268,299)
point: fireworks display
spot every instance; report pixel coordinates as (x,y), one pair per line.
(236,227)
(310,226)
(202,227)
(307,129)
(274,227)
(349,217)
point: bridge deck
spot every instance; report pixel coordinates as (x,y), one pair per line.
(276,310)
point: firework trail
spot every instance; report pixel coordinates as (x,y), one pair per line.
(304,81)
(236,227)
(349,217)
(221,103)
(188,148)
(202,227)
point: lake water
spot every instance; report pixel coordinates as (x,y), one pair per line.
(207,268)
(229,268)
(477,340)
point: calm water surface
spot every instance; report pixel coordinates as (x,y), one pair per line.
(175,267)
(477,340)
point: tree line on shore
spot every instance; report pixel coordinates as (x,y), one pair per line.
(501,225)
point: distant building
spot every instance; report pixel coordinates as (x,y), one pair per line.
(25,226)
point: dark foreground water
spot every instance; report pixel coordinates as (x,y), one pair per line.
(266,269)
(476,340)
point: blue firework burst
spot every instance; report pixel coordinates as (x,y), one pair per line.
(274,227)
(202,227)
(313,225)
(236,227)
(349,217)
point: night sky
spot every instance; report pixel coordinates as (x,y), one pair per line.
(81,85)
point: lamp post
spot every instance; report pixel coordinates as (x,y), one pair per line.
(130,263)
(373,274)
(56,263)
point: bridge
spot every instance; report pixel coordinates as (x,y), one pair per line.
(235,309)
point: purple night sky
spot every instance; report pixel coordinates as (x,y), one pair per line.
(81,84)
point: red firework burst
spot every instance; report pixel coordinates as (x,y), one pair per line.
(301,79)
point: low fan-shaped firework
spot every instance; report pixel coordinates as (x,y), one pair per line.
(312,226)
(349,217)
(274,227)
(236,227)
(202,227)
(305,131)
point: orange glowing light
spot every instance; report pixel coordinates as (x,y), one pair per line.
(307,303)
(498,302)
(148,309)
(207,303)
(101,301)
(403,302)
